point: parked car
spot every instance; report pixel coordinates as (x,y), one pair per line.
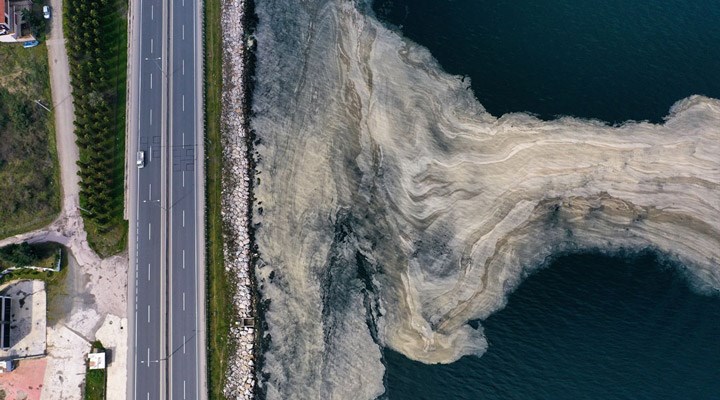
(46,12)
(30,43)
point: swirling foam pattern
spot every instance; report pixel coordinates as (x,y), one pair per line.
(395,209)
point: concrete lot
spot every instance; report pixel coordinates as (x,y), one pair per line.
(113,335)
(94,303)
(28,321)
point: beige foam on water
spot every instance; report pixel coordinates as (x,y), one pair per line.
(367,147)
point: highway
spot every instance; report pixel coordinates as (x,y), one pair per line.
(166,202)
(149,310)
(184,139)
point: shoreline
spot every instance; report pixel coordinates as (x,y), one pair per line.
(237,180)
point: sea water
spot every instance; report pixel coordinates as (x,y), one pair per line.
(612,60)
(587,326)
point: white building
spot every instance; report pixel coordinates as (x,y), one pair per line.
(6,366)
(96,360)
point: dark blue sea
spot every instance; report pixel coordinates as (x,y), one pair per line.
(588,326)
(612,60)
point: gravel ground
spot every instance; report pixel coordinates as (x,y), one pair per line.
(240,378)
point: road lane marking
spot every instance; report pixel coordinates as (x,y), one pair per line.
(183,301)
(183,259)
(183,102)
(148,356)
(148,271)
(183,218)
(151,46)
(149,229)
(151,81)
(183,178)
(150,192)
(151,116)
(183,139)
(183,32)
(152,12)
(183,66)
(150,159)
(194,234)
(184,344)
(148,319)
(183,388)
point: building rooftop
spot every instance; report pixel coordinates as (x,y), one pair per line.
(6,366)
(5,319)
(96,360)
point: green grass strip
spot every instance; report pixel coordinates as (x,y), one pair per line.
(95,380)
(218,313)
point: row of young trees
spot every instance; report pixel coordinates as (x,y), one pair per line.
(95,98)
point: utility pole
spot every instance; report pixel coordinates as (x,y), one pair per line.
(42,105)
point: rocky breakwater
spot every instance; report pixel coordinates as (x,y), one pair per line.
(240,378)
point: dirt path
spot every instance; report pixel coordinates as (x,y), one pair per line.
(64,113)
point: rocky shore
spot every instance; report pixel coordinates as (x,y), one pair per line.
(240,378)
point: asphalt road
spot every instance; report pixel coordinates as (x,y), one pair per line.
(150,232)
(183,267)
(167,331)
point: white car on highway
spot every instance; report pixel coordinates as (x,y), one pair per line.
(140,159)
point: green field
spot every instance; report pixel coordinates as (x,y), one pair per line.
(29,174)
(98,70)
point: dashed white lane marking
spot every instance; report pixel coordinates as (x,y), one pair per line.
(150,192)
(183,301)
(183,259)
(183,66)
(148,271)
(148,316)
(151,46)
(152,12)
(183,178)
(149,230)
(148,356)
(184,344)
(151,81)
(183,32)
(183,388)
(151,116)
(183,218)
(183,102)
